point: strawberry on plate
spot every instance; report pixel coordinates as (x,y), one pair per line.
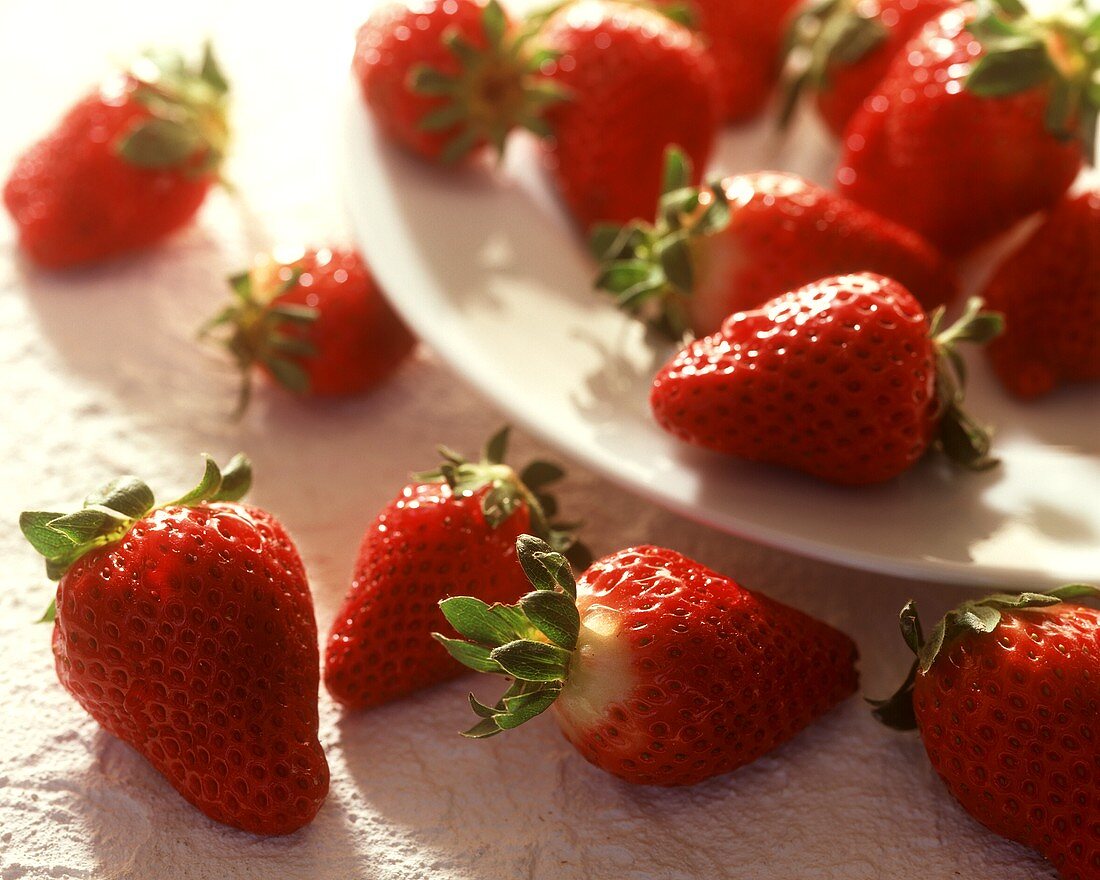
(127,166)
(845,379)
(1049,292)
(633,82)
(737,242)
(839,50)
(745,38)
(452,530)
(314,321)
(975,125)
(658,670)
(1004,695)
(448,78)
(186,630)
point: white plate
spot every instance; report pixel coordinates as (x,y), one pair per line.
(484,266)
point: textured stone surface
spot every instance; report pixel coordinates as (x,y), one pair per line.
(100,375)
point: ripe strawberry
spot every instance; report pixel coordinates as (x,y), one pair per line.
(659,670)
(453,529)
(128,165)
(971,129)
(845,379)
(316,322)
(745,39)
(187,631)
(446,78)
(1004,696)
(1049,292)
(740,241)
(841,49)
(634,82)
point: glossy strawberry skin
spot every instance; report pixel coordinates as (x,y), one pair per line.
(358,338)
(397,38)
(836,379)
(744,37)
(1008,721)
(75,200)
(1049,292)
(700,676)
(848,85)
(637,83)
(953,166)
(424,546)
(193,640)
(785,232)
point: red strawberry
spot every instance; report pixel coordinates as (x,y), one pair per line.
(739,242)
(446,78)
(634,82)
(187,631)
(1049,292)
(451,530)
(745,39)
(1004,696)
(658,669)
(841,50)
(969,132)
(845,379)
(128,165)
(316,322)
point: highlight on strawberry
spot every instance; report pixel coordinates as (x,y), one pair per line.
(1003,693)
(735,243)
(315,322)
(657,669)
(984,118)
(128,165)
(449,531)
(186,629)
(447,79)
(1049,292)
(838,51)
(845,379)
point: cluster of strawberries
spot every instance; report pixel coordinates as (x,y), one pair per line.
(957,122)
(187,628)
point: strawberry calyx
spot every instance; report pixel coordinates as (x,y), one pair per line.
(1060,52)
(978,617)
(188,123)
(824,35)
(259,330)
(531,641)
(111,510)
(649,267)
(508,490)
(496,88)
(960,437)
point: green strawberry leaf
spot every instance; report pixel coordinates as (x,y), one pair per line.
(160,143)
(532,661)
(555,615)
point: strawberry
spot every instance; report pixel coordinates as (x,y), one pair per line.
(845,379)
(738,242)
(127,166)
(841,49)
(186,630)
(447,78)
(450,530)
(316,322)
(1004,696)
(634,82)
(974,127)
(1049,292)
(745,39)
(659,670)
